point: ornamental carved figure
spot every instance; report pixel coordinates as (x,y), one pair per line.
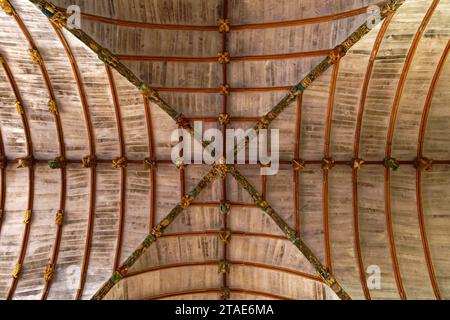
(263,123)
(123,270)
(325,275)
(182,122)
(7,8)
(391,163)
(59,218)
(225,293)
(179,163)
(16,271)
(156,231)
(221,169)
(225,89)
(27,216)
(59,19)
(89,162)
(224,118)
(389,8)
(186,201)
(306,82)
(19,108)
(57,163)
(225,207)
(327,163)
(26,162)
(223,57)
(423,164)
(119,163)
(335,55)
(49,272)
(357,163)
(52,107)
(35,56)
(298,164)
(225,236)
(224,25)
(224,267)
(149,164)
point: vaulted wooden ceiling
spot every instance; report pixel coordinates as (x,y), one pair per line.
(68,224)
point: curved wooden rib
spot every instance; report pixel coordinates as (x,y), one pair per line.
(217,290)
(362,104)
(281,24)
(390,135)
(326,152)
(420,145)
(297,55)
(233,263)
(123,170)
(29,143)
(93,173)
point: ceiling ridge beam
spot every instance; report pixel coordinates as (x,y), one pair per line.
(297,163)
(356,152)
(150,162)
(157,231)
(322,271)
(388,149)
(389,8)
(420,147)
(254,26)
(3,166)
(26,162)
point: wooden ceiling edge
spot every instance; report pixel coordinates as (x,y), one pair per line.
(219,291)
(420,147)
(356,144)
(323,272)
(28,160)
(388,150)
(255,26)
(250,264)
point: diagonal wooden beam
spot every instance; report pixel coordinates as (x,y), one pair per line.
(28,163)
(291,234)
(420,147)
(389,140)
(159,229)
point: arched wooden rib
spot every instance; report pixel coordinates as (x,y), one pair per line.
(297,55)
(232,262)
(270,25)
(420,147)
(290,233)
(359,120)
(296,173)
(390,135)
(29,210)
(123,169)
(92,170)
(152,156)
(217,290)
(326,153)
